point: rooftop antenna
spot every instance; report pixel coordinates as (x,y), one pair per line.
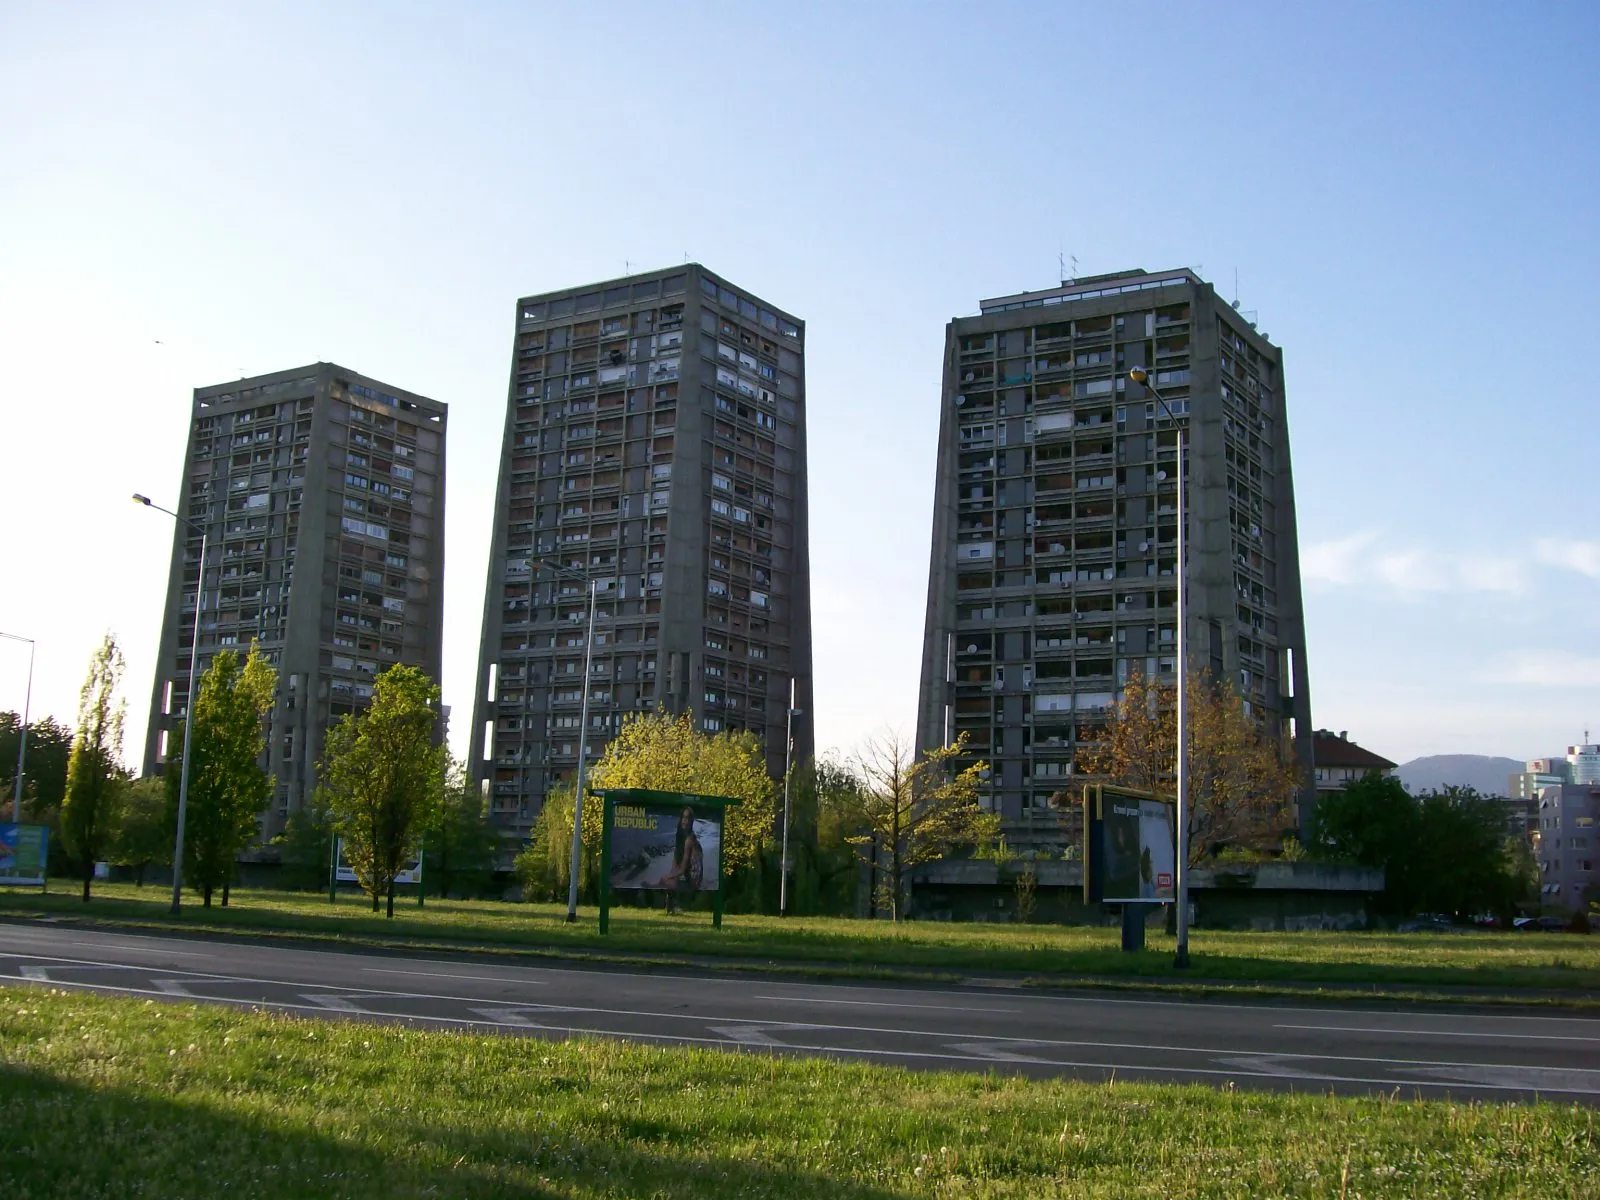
(1236,287)
(627,267)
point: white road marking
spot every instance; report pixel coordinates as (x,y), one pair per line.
(992,1053)
(746,1035)
(1472,1033)
(454,975)
(342,1004)
(37,974)
(883,1004)
(173,987)
(154,949)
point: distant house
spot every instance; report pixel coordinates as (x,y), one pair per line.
(1337,760)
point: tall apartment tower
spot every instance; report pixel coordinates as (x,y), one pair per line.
(655,442)
(1053,572)
(322,495)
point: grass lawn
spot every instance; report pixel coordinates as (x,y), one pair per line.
(1488,961)
(120,1097)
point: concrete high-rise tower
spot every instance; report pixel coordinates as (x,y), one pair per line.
(1053,571)
(655,441)
(322,495)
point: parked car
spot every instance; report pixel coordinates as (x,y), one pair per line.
(1545,924)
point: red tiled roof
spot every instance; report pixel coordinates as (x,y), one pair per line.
(1328,749)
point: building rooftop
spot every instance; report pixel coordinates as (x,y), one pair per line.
(1329,749)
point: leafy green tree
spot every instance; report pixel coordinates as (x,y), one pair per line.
(1447,852)
(458,853)
(143,833)
(227,786)
(664,753)
(305,847)
(668,754)
(384,776)
(45,772)
(915,809)
(827,809)
(545,865)
(94,771)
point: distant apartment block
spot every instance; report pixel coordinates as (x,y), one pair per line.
(1565,843)
(322,495)
(1053,571)
(655,441)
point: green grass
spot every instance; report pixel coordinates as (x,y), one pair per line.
(118,1097)
(1476,962)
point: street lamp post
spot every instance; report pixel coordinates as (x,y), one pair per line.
(22,740)
(788,756)
(188,711)
(1181,958)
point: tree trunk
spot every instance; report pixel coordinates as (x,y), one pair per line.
(374,899)
(206,892)
(872,880)
(88,876)
(391,899)
(225,894)
(140,875)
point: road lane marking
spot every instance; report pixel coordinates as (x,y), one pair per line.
(746,1035)
(173,987)
(991,1053)
(883,1004)
(37,974)
(454,975)
(1472,1033)
(855,1051)
(155,949)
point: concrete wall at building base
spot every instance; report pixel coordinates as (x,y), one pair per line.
(1265,896)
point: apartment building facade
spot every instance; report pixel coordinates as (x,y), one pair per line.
(1053,570)
(655,443)
(322,494)
(1567,844)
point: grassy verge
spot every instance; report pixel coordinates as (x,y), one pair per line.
(102,1097)
(1473,962)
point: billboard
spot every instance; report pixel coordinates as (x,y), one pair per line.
(1131,855)
(24,851)
(410,873)
(675,846)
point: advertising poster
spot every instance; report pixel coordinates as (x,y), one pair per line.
(1132,847)
(669,847)
(23,854)
(410,873)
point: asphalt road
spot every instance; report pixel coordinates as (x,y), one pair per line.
(1415,1051)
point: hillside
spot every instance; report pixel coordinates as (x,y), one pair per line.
(1485,772)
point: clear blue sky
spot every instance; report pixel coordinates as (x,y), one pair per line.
(1407,192)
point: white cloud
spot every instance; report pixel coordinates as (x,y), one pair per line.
(1547,668)
(1335,561)
(1571,554)
(1363,559)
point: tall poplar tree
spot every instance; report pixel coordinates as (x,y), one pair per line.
(383,777)
(94,770)
(227,786)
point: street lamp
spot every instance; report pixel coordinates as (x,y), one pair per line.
(22,742)
(788,752)
(583,727)
(1181,959)
(188,711)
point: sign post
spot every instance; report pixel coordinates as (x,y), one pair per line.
(24,855)
(1130,855)
(662,841)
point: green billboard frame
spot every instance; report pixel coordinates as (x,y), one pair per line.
(649,798)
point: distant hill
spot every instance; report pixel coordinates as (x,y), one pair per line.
(1482,771)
